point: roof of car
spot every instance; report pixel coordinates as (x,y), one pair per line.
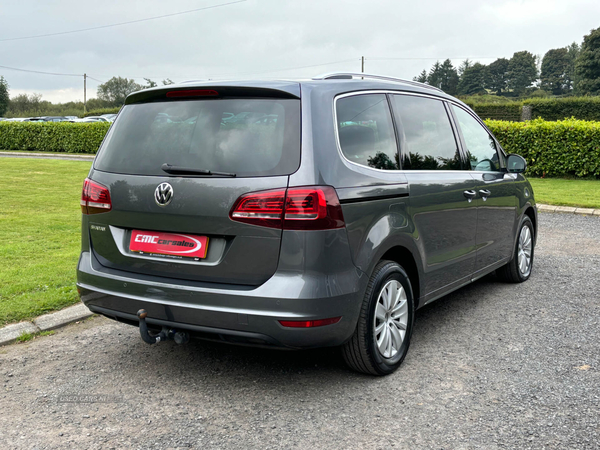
(336,83)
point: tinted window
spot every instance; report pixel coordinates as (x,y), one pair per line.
(428,142)
(366,131)
(481,147)
(249,137)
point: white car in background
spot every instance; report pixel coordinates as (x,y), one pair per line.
(94,119)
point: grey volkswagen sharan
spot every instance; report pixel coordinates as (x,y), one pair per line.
(298,214)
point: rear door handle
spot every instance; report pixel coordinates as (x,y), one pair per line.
(470,195)
(484,194)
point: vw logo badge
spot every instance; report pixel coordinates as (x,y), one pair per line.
(163,194)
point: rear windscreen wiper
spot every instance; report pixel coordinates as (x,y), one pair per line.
(179,170)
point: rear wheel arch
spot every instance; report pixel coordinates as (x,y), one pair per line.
(406,260)
(530,212)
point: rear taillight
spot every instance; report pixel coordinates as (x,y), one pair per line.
(260,208)
(95,198)
(301,208)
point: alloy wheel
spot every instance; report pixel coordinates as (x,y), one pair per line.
(390,319)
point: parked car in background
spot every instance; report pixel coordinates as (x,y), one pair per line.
(95,119)
(234,211)
(47,119)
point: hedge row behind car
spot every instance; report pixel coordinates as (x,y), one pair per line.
(498,111)
(584,108)
(564,147)
(567,147)
(53,136)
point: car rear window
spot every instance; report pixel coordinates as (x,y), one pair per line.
(248,137)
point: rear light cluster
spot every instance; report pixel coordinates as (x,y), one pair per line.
(95,198)
(302,208)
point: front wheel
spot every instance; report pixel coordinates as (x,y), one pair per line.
(519,268)
(382,336)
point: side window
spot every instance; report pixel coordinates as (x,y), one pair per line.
(366,131)
(481,147)
(428,140)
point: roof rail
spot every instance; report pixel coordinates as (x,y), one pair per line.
(351,75)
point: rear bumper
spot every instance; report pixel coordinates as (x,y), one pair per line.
(228,312)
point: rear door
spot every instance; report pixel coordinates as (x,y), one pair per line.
(496,192)
(441,199)
(247,154)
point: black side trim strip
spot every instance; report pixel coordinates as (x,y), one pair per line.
(375,197)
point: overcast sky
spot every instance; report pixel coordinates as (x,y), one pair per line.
(270,38)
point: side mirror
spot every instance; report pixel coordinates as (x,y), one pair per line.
(516,163)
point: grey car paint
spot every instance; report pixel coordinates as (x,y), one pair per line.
(300,274)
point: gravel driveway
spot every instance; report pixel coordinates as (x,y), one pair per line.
(491,366)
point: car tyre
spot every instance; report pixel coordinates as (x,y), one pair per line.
(379,345)
(519,268)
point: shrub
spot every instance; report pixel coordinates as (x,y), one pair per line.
(584,108)
(52,136)
(566,147)
(497,111)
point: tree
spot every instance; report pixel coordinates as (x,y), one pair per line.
(167,82)
(587,65)
(554,73)
(467,63)
(449,78)
(422,78)
(150,84)
(573,51)
(117,89)
(24,104)
(442,76)
(434,78)
(4,97)
(498,76)
(522,72)
(473,80)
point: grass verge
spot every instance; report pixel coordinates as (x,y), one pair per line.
(25,152)
(563,192)
(39,235)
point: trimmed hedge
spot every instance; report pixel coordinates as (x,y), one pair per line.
(498,111)
(52,136)
(566,147)
(584,108)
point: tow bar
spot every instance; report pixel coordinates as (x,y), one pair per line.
(180,337)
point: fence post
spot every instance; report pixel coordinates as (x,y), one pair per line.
(526,111)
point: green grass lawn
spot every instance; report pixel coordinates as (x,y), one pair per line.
(559,191)
(25,152)
(39,235)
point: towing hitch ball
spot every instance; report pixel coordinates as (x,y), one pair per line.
(180,337)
